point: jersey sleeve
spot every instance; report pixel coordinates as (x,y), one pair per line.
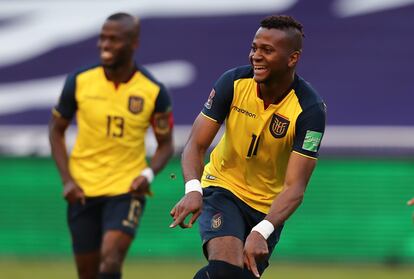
(67,105)
(219,101)
(163,101)
(310,128)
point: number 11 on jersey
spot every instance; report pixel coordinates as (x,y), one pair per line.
(254,145)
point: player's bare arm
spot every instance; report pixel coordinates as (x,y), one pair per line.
(57,127)
(298,173)
(162,127)
(202,134)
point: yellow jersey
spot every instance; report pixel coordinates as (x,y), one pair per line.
(251,158)
(112,121)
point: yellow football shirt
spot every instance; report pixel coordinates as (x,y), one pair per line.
(251,158)
(112,122)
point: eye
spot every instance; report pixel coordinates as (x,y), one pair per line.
(253,48)
(268,50)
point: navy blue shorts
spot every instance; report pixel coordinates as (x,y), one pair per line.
(89,222)
(224,214)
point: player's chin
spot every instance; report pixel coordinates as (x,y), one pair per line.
(259,78)
(108,62)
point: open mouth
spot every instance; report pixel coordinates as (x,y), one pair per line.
(259,69)
(106,55)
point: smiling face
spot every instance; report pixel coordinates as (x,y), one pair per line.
(272,55)
(117,43)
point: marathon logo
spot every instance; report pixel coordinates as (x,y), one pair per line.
(243,111)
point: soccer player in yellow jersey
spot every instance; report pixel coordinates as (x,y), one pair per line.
(107,177)
(258,172)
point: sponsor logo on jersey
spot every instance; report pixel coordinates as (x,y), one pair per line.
(135,104)
(209,102)
(312,141)
(210,177)
(278,126)
(217,221)
(243,111)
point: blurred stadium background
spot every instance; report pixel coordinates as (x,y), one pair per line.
(354,221)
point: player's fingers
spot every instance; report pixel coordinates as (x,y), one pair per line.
(246,262)
(179,219)
(194,218)
(81,197)
(253,266)
(172,212)
(410,202)
(134,186)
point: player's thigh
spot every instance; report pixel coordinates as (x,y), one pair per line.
(84,221)
(115,246)
(222,226)
(120,220)
(123,213)
(226,248)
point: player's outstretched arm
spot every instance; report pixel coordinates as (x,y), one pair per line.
(298,173)
(202,134)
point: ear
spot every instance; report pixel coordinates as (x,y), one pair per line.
(294,58)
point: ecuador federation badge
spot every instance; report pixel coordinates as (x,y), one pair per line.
(278,126)
(135,104)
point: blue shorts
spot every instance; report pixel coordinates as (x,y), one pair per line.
(89,222)
(224,214)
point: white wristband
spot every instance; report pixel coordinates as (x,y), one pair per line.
(193,185)
(148,173)
(265,228)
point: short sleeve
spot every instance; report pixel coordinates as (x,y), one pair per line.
(310,128)
(163,101)
(67,105)
(219,101)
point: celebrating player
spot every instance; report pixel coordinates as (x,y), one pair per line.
(258,172)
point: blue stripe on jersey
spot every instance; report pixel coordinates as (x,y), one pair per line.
(223,92)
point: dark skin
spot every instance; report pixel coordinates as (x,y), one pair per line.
(117,43)
(274,59)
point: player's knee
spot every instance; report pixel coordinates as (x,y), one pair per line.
(110,263)
(219,270)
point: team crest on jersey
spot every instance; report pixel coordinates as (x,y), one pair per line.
(278,126)
(209,102)
(217,221)
(135,104)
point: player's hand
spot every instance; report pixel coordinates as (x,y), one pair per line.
(140,187)
(255,249)
(411,202)
(73,193)
(190,203)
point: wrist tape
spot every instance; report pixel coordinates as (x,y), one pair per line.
(193,185)
(265,228)
(148,173)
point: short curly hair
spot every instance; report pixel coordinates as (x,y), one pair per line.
(282,22)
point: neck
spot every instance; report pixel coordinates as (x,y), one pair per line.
(121,73)
(274,91)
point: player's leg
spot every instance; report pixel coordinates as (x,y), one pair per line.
(121,216)
(252,217)
(85,227)
(222,229)
(115,246)
(87,264)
